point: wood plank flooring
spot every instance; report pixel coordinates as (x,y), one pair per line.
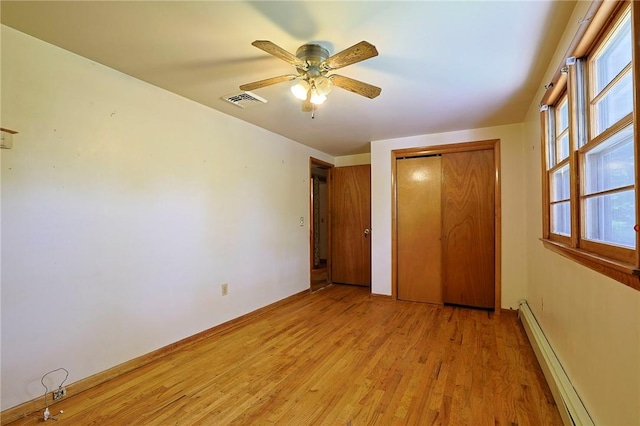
(335,357)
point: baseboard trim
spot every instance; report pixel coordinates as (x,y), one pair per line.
(30,407)
(569,404)
(382,296)
(505,311)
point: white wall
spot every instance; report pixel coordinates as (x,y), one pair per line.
(513,201)
(592,322)
(124,209)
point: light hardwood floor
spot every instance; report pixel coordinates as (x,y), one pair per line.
(335,357)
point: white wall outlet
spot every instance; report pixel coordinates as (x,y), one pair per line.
(225,289)
(301,220)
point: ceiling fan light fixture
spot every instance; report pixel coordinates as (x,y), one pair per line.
(323,85)
(312,63)
(317,98)
(300,90)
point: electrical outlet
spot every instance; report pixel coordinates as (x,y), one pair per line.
(225,289)
(59,393)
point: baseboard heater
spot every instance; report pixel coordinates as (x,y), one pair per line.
(569,404)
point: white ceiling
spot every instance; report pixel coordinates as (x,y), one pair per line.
(442,65)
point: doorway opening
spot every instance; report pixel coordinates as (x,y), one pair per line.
(320,241)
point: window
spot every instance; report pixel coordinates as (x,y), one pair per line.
(558,168)
(590,179)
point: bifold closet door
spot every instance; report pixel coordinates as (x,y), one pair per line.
(468,228)
(419,251)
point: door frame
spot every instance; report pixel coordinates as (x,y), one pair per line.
(493,144)
(329,167)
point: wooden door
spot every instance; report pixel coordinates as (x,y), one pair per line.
(468,228)
(419,228)
(350,225)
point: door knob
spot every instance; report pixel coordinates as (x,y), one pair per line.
(367,232)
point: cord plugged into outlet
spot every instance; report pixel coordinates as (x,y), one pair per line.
(56,395)
(46,415)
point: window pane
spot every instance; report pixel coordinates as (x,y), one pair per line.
(561,136)
(560,184)
(611,164)
(563,116)
(561,218)
(564,146)
(615,55)
(610,219)
(617,103)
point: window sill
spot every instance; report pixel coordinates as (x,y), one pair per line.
(623,272)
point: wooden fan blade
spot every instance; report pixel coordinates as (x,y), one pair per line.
(278,52)
(268,82)
(355,86)
(356,53)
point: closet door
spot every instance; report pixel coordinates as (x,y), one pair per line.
(468,234)
(418,229)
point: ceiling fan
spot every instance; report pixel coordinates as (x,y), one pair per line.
(313,63)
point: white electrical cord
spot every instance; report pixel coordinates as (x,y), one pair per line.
(47,414)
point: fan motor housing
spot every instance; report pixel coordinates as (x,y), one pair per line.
(314,54)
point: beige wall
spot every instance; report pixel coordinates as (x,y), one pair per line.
(592,322)
(513,201)
(124,209)
(353,160)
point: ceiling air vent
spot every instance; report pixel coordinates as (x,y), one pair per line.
(244,99)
